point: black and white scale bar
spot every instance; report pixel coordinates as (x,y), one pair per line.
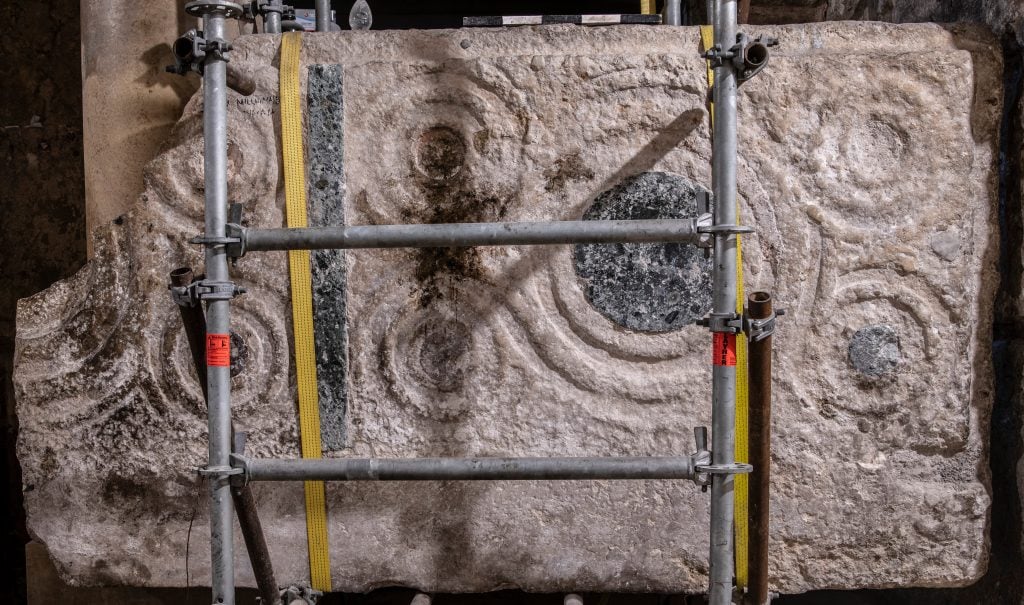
(558,19)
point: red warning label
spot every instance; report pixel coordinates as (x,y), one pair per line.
(723,347)
(218,350)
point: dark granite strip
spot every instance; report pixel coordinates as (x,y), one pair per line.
(555,19)
(326,204)
(641,19)
(481,21)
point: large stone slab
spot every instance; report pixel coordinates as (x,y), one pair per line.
(867,162)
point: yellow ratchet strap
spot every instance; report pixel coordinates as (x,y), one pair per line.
(647,7)
(302,309)
(740,485)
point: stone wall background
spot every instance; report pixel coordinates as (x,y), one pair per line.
(43,240)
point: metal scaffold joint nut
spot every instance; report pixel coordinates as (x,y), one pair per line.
(736,468)
(730,323)
(717,57)
(219,472)
(725,229)
(205,289)
(212,241)
(192,50)
(759,329)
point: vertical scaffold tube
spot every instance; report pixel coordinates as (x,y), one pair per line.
(218,374)
(272,18)
(673,13)
(323,15)
(194,320)
(723,406)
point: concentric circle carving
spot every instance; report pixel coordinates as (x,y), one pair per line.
(259,360)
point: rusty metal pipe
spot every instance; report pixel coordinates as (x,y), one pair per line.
(759,363)
(194,319)
(195,324)
(255,543)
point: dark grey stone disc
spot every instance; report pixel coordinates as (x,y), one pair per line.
(646,287)
(875,351)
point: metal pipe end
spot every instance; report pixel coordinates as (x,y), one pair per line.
(182,276)
(572,599)
(239,82)
(755,55)
(760,297)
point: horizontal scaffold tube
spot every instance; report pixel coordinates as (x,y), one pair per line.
(467,469)
(476,234)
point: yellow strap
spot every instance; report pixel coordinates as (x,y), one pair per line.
(707,40)
(647,7)
(302,309)
(740,485)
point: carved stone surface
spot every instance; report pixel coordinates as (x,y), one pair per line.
(862,146)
